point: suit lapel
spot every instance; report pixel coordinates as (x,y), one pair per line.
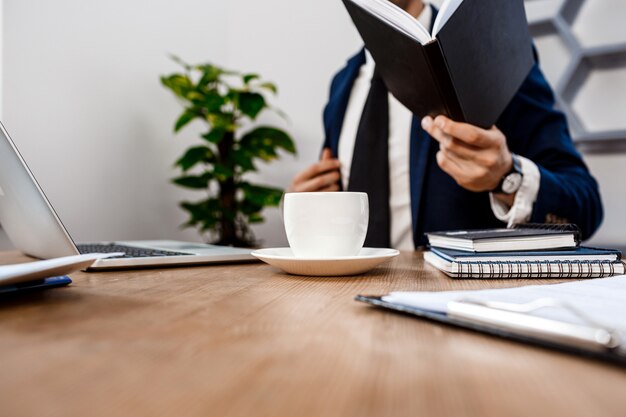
(419,151)
(341,89)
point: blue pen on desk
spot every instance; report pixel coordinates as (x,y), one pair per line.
(36,285)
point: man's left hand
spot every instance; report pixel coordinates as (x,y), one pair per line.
(476,158)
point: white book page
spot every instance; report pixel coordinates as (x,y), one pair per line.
(396,17)
(602,299)
(447,10)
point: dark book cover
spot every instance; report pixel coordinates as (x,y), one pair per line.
(453,255)
(501,234)
(470,72)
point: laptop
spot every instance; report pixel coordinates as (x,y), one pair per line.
(34,228)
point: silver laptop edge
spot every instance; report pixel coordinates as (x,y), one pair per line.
(34,227)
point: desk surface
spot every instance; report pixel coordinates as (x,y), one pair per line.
(248,340)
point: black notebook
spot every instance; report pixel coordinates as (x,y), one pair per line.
(530,236)
(469,69)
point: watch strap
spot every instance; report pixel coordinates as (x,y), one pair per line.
(516,168)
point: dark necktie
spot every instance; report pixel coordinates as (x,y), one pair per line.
(369,172)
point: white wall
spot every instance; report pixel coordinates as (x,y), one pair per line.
(83,101)
(84,104)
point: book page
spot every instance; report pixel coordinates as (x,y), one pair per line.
(396,17)
(447,10)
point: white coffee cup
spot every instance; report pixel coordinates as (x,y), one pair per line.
(325,225)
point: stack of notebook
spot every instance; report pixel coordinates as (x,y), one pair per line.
(530,250)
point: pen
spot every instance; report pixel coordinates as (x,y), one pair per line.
(502,318)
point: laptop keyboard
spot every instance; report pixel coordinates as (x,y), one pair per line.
(130,251)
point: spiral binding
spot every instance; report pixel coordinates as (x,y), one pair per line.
(541,269)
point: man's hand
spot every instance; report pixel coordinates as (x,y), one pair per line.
(476,158)
(321,176)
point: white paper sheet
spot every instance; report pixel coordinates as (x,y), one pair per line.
(603,300)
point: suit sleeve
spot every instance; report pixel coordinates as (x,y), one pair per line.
(537,131)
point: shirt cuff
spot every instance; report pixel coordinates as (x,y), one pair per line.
(526,196)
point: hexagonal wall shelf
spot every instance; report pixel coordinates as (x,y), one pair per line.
(554,51)
(588,74)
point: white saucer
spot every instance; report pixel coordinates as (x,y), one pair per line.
(284,259)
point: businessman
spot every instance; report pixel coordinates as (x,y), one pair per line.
(439,174)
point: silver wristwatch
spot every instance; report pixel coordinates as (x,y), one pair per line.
(512,180)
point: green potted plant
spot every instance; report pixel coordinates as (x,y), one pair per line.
(227,103)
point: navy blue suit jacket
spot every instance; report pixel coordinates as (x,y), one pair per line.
(533,128)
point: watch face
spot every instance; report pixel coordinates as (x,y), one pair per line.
(511,183)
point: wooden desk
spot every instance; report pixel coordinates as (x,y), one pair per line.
(247,340)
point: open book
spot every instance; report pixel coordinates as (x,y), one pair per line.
(469,68)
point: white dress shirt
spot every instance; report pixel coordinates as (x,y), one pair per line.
(400,119)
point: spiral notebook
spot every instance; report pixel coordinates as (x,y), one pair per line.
(581,262)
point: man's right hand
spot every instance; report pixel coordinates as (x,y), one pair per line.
(321,176)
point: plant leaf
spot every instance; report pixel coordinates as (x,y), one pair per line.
(210,74)
(222,121)
(222,173)
(187,116)
(244,159)
(214,136)
(263,142)
(205,213)
(251,104)
(194,156)
(213,102)
(269,86)
(196,97)
(194,181)
(249,77)
(179,84)
(261,195)
(248,207)
(256,218)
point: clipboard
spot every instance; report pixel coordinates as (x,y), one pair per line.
(462,314)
